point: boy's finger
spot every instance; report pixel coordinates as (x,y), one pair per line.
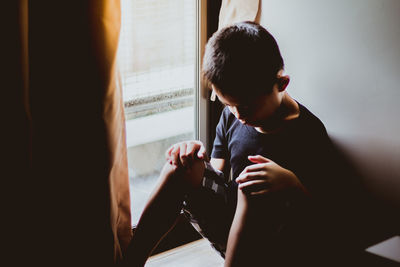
(254,167)
(175,155)
(182,154)
(191,149)
(261,192)
(201,154)
(254,186)
(168,152)
(258,159)
(251,176)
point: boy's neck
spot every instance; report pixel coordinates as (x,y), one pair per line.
(287,111)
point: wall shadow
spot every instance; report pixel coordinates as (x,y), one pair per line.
(364,218)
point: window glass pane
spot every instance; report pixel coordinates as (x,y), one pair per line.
(157,62)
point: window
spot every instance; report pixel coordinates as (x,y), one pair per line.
(157,58)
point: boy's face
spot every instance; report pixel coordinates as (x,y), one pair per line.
(253,111)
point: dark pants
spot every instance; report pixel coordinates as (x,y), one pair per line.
(282,231)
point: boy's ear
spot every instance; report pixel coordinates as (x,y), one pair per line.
(213,94)
(283,82)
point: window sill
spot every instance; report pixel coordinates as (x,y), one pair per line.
(159,126)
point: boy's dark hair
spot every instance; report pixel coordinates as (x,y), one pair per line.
(242,59)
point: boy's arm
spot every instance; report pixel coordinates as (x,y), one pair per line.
(221,165)
(218,164)
(266,176)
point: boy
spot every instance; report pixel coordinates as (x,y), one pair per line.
(276,150)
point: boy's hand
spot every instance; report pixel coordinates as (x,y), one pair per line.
(184,152)
(265,176)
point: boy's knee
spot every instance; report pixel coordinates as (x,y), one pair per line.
(189,177)
(194,173)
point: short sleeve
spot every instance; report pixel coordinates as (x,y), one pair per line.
(220,147)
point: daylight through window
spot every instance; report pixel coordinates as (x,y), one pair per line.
(157,61)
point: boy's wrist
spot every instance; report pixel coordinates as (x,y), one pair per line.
(298,184)
(212,173)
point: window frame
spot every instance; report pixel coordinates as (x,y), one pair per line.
(202,107)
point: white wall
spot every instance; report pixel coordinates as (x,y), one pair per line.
(344,60)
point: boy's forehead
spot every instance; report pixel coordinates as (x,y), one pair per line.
(224,98)
(245,97)
(234,100)
(216,92)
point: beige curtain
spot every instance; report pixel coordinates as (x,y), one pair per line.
(233,11)
(66,134)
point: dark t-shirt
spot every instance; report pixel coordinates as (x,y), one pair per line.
(302,146)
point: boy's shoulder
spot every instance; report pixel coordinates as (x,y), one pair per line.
(309,122)
(227,117)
